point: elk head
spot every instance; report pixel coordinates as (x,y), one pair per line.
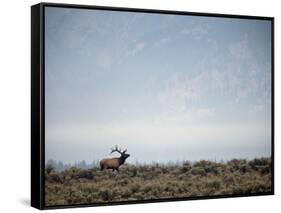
(123,154)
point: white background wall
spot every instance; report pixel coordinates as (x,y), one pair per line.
(15,105)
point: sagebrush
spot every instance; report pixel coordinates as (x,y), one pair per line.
(145,182)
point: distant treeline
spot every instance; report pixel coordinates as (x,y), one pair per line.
(60,166)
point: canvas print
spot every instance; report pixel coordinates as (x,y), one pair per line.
(149,106)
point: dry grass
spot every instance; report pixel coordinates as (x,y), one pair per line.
(203,178)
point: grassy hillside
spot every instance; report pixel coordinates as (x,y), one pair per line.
(77,186)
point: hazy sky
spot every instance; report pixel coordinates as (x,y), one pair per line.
(166,87)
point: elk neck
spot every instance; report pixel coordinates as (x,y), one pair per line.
(121,160)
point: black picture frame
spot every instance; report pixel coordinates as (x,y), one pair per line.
(38,101)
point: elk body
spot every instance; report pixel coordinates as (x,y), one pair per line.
(114,163)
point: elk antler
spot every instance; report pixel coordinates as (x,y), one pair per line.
(116,150)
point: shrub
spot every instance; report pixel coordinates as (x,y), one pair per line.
(201,163)
(49,168)
(260,162)
(228,179)
(263,169)
(126,193)
(186,167)
(85,174)
(135,187)
(147,188)
(134,172)
(214,184)
(245,168)
(123,182)
(236,163)
(106,194)
(197,171)
(262,165)
(55,177)
(138,196)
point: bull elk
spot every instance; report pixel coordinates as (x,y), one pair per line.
(114,163)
